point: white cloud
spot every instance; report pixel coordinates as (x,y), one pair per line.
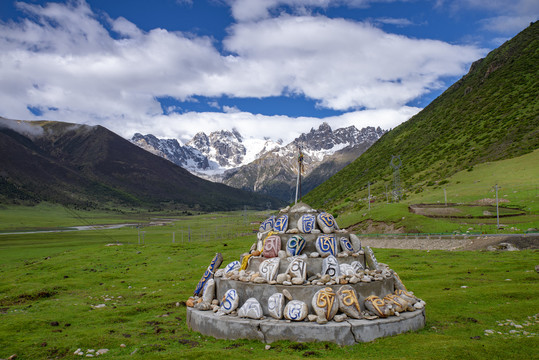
(65,62)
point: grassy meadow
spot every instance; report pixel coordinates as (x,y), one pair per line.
(60,292)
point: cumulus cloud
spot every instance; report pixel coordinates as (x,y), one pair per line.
(71,64)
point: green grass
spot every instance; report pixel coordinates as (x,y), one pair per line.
(517,188)
(58,278)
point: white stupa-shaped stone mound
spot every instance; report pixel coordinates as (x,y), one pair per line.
(303,280)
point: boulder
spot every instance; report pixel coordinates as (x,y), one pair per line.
(295,245)
(325,303)
(276,306)
(296,310)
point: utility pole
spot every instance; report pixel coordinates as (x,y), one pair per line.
(369,196)
(445,197)
(497,210)
(300,169)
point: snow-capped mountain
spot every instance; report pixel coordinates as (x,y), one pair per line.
(264,165)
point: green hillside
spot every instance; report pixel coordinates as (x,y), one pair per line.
(491,114)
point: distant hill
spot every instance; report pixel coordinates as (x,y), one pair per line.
(91,167)
(492,113)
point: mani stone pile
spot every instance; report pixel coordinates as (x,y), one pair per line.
(303,269)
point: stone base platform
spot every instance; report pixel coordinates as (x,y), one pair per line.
(269,330)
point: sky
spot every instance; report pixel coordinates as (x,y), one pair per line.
(268,68)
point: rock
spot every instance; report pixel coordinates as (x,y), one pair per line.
(325,279)
(355,241)
(267,347)
(370,259)
(293,231)
(297,281)
(287,283)
(268,268)
(398,282)
(214,265)
(348,302)
(281,224)
(342,255)
(276,306)
(209,292)
(272,245)
(295,245)
(219,273)
(251,309)
(230,301)
(347,269)
(312,317)
(296,310)
(398,303)
(259,280)
(101,351)
(409,297)
(354,280)
(297,270)
(282,254)
(314,255)
(190,302)
(256,253)
(287,295)
(306,223)
(281,278)
(234,265)
(326,222)
(326,245)
(215,302)
(321,320)
(325,303)
(340,317)
(346,245)
(378,307)
(357,266)
(330,266)
(267,225)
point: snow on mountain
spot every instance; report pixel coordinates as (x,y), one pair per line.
(252,164)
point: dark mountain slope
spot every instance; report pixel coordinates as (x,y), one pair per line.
(492,113)
(93,167)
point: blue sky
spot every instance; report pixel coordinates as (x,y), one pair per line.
(269,68)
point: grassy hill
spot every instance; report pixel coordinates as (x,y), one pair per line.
(491,114)
(91,167)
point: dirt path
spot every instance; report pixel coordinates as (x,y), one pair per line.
(524,241)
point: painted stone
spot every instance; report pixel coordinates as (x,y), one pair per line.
(272,245)
(214,265)
(357,266)
(209,292)
(296,310)
(346,245)
(268,268)
(348,302)
(330,266)
(370,259)
(295,245)
(326,245)
(297,270)
(326,222)
(398,303)
(398,282)
(281,224)
(306,223)
(234,265)
(411,298)
(276,306)
(251,309)
(355,241)
(230,301)
(378,306)
(325,303)
(347,269)
(267,225)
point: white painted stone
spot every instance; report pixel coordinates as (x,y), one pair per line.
(357,266)
(347,269)
(295,245)
(346,245)
(234,265)
(327,245)
(297,269)
(209,291)
(251,309)
(230,301)
(268,268)
(276,305)
(296,310)
(307,223)
(267,225)
(348,301)
(281,224)
(326,222)
(330,266)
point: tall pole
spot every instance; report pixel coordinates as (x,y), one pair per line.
(298,182)
(445,197)
(497,210)
(369,196)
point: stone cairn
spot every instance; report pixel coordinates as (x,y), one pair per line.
(303,268)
